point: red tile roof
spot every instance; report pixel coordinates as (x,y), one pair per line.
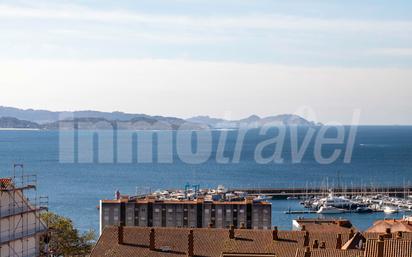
(395,226)
(327,225)
(208,242)
(174,242)
(330,253)
(389,248)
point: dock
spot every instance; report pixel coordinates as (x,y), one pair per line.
(283,193)
(300,212)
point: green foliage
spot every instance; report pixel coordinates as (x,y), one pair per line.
(64,239)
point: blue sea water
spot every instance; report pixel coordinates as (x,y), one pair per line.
(382,155)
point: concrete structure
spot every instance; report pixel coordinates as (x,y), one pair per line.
(20,226)
(197,213)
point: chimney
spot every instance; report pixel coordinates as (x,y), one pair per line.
(117,195)
(381,245)
(275,235)
(339,241)
(120,234)
(399,235)
(249,199)
(190,244)
(315,244)
(307,252)
(388,233)
(303,228)
(306,239)
(242,225)
(351,233)
(152,240)
(322,245)
(200,199)
(232,232)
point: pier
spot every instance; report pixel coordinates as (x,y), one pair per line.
(283,193)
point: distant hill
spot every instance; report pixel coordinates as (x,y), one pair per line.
(140,123)
(254,121)
(212,122)
(50,120)
(44,116)
(11,122)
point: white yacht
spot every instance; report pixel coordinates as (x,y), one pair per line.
(329,210)
(338,202)
(334,201)
(390,210)
(262,197)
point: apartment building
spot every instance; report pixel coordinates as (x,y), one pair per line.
(194,213)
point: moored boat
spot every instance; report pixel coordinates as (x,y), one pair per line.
(364,209)
(329,210)
(390,210)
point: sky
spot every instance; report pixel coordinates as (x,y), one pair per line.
(228,59)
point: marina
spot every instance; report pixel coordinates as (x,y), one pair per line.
(327,203)
(321,201)
(283,193)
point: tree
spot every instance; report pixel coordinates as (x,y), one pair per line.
(64,240)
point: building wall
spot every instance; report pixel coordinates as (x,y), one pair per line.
(19,230)
(12,202)
(261,217)
(17,226)
(27,247)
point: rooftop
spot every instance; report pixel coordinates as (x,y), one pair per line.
(178,242)
(381,226)
(327,225)
(135,241)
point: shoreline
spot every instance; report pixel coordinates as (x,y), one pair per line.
(19,129)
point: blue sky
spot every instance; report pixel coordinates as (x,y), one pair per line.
(342,35)
(338,33)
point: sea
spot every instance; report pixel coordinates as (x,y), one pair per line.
(381,156)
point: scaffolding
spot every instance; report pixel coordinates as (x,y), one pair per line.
(20,207)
